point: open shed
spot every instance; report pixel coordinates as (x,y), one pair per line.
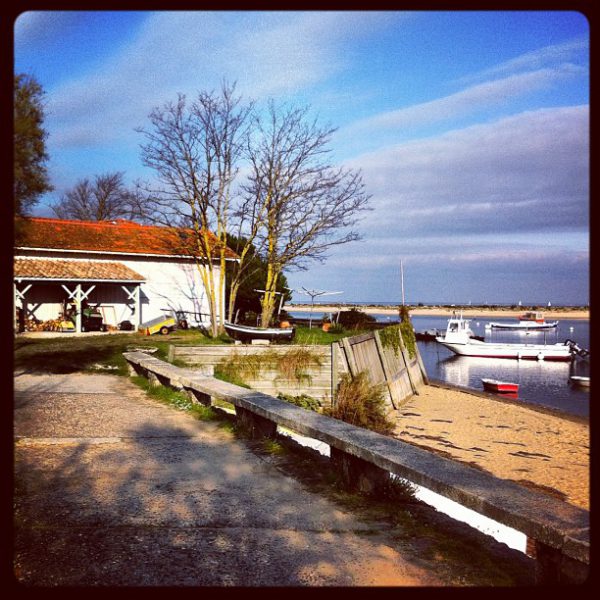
(127,271)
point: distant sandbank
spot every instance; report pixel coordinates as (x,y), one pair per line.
(437,311)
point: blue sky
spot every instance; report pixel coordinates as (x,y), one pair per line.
(471,130)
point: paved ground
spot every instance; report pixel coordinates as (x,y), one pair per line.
(114,488)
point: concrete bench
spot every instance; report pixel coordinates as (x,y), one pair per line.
(560,531)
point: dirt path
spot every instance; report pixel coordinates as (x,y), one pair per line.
(113,488)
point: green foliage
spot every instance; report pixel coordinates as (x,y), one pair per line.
(303,401)
(316,336)
(408,332)
(176,399)
(30,174)
(361,403)
(337,328)
(291,365)
(355,319)
(255,274)
(390,338)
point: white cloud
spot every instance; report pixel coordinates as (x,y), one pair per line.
(527,172)
(268,54)
(561,54)
(466,102)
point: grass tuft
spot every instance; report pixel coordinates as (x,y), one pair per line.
(361,403)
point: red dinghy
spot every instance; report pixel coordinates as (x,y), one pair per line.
(501,387)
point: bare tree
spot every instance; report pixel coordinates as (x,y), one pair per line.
(104,199)
(194,150)
(303,204)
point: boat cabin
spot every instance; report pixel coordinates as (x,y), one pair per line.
(538,317)
(458,329)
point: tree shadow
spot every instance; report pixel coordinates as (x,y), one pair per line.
(170,501)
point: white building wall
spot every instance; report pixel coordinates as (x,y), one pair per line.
(171,284)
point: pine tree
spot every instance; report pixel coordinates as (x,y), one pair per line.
(31,176)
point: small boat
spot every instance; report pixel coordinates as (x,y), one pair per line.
(501,387)
(532,317)
(458,339)
(525,325)
(247,332)
(580,381)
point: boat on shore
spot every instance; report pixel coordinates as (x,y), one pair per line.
(247,332)
(457,339)
(580,381)
(500,387)
(529,321)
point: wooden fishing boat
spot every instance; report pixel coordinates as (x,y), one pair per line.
(247,332)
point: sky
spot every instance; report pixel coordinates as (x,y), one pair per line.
(470,129)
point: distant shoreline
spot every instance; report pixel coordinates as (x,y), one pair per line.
(439,311)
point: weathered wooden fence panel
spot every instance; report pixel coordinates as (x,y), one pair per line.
(316,380)
(390,364)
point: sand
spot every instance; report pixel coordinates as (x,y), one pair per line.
(509,440)
(434,311)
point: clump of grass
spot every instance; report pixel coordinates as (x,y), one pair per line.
(361,403)
(303,400)
(240,366)
(291,365)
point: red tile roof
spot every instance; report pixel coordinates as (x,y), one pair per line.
(124,237)
(84,270)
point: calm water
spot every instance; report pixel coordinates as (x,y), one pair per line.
(540,382)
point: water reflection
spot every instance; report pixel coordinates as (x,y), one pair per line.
(468,371)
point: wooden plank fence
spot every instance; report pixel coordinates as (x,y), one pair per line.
(389,364)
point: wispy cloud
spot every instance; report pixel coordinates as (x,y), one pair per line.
(527,172)
(474,99)
(557,54)
(268,54)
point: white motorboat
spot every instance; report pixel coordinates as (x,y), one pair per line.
(458,339)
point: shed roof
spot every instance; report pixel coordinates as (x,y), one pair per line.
(117,236)
(73,270)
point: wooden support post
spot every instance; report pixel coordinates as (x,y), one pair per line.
(358,474)
(134,296)
(256,425)
(335,350)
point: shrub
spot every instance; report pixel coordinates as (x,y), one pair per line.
(361,403)
(355,319)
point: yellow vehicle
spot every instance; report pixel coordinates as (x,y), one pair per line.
(163,325)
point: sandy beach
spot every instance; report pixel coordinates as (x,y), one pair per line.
(511,441)
(435,311)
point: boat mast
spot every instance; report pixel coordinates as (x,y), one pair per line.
(402,280)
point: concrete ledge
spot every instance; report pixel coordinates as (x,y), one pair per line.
(552,523)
